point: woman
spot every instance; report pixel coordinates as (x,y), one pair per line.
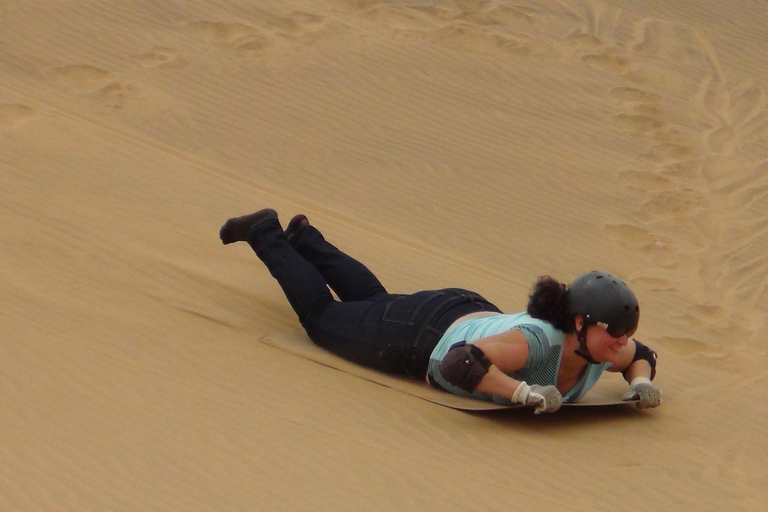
(456,339)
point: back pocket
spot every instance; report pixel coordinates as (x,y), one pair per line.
(406,309)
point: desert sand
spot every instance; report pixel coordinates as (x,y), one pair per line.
(477,144)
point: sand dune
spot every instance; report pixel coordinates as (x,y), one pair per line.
(445,143)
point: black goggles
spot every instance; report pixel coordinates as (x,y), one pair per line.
(616,332)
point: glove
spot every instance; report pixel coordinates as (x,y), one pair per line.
(646,393)
(545,398)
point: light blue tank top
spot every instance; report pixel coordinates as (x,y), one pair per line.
(545,348)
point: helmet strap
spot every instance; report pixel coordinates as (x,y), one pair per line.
(583,351)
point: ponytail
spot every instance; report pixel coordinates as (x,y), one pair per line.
(547,302)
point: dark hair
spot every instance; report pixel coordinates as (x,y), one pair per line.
(547,302)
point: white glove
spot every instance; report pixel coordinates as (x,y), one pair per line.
(545,398)
(642,390)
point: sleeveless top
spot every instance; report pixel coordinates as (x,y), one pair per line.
(545,347)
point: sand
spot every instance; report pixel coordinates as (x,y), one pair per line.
(444,143)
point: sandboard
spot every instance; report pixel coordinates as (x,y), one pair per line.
(298,343)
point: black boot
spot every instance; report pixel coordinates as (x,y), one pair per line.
(296,223)
(236,229)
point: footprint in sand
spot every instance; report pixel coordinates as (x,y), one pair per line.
(160,57)
(705,354)
(749,112)
(742,192)
(503,15)
(664,40)
(12,115)
(526,47)
(654,284)
(737,115)
(585,39)
(467,38)
(658,247)
(639,122)
(87,80)
(670,153)
(649,181)
(484,27)
(494,26)
(266,31)
(295,22)
(223,32)
(720,139)
(638,110)
(302,28)
(690,347)
(613,60)
(676,204)
(596,41)
(237,36)
(633,94)
(724,324)
(356,5)
(412,21)
(81,79)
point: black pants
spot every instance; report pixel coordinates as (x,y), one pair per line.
(394,333)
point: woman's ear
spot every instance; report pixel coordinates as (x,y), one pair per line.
(578,323)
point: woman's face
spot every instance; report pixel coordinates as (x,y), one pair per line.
(602,346)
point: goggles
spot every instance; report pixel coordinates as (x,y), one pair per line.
(615,332)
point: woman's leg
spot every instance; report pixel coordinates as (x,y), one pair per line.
(350,279)
(303,285)
(385,332)
(348,329)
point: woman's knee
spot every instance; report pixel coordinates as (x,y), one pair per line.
(311,317)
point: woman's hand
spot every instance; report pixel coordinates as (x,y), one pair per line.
(545,398)
(508,352)
(642,390)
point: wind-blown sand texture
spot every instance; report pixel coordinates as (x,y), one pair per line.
(444,143)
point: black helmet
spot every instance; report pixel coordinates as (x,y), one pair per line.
(603,299)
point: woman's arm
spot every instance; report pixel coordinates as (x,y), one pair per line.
(483,366)
(508,351)
(638,364)
(498,383)
(635,360)
(640,368)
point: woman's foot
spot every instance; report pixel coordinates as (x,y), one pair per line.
(236,229)
(296,223)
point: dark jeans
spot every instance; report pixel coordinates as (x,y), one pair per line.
(390,332)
